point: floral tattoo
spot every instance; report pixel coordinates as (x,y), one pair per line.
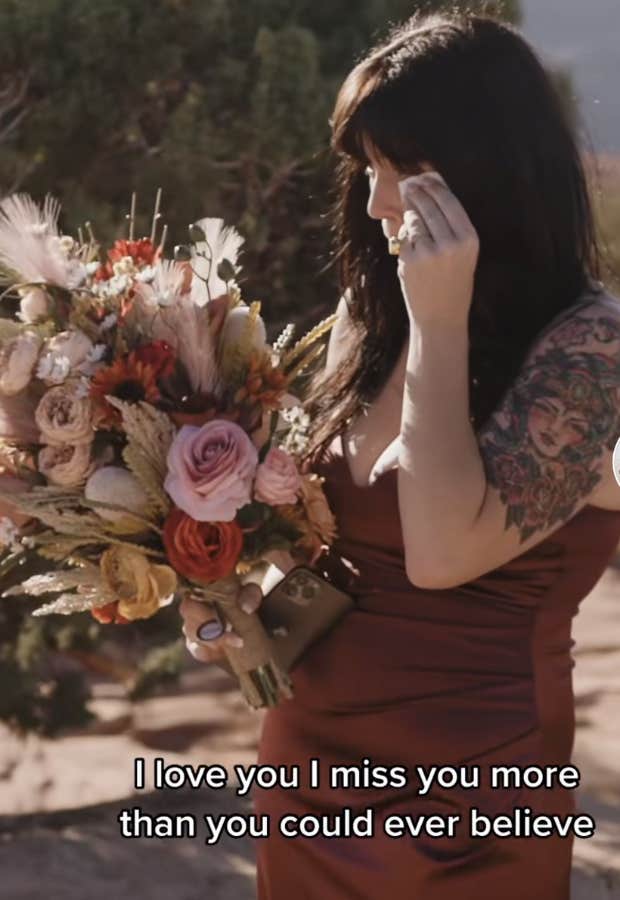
(542,447)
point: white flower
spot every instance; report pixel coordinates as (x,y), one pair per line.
(113,287)
(146,275)
(235,324)
(66,352)
(93,360)
(53,369)
(95,354)
(17,360)
(223,242)
(165,284)
(73,344)
(76,273)
(34,304)
(119,487)
(284,338)
(108,322)
(63,244)
(29,242)
(92,267)
(124,266)
(296,416)
(82,388)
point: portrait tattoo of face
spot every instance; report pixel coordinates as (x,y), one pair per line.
(542,449)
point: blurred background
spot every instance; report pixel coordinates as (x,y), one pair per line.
(225,105)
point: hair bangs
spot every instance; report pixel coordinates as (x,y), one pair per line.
(368,116)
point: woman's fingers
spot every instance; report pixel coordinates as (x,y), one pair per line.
(447,202)
(194,613)
(250,597)
(206,636)
(415,196)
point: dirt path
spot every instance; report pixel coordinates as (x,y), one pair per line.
(59,800)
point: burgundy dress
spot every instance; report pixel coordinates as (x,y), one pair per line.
(476,675)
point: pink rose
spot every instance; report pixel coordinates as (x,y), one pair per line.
(210,470)
(277,479)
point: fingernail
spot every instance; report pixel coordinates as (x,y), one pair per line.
(234,640)
(210,630)
(248,606)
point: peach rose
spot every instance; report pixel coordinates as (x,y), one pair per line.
(141,586)
(65,464)
(202,551)
(277,479)
(64,416)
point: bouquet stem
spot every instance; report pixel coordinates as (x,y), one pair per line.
(262,679)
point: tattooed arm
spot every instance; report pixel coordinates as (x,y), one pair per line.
(471,503)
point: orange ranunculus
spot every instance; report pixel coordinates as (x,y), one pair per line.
(109,614)
(202,551)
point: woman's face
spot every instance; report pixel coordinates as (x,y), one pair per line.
(384,202)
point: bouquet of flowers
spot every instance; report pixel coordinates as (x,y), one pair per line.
(150,437)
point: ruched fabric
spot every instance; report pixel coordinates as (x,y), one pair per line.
(476,675)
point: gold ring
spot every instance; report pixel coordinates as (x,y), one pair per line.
(394,246)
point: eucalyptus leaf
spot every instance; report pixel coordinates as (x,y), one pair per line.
(226,271)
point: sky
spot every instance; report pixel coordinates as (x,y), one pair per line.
(585,36)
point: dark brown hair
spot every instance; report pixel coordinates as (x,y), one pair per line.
(468,94)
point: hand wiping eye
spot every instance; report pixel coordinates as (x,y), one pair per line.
(437,246)
(421,180)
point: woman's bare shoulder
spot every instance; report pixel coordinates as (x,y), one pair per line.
(341,337)
(579,319)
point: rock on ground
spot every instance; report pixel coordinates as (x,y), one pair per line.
(59,799)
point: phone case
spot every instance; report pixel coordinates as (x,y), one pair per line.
(298,611)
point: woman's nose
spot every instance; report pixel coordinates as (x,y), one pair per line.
(377,207)
(384,201)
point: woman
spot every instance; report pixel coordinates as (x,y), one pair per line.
(465,424)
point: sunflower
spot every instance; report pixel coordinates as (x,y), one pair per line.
(130,379)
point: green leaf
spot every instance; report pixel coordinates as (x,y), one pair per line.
(196,234)
(226,271)
(182,253)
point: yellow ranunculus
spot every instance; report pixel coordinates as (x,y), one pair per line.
(140,586)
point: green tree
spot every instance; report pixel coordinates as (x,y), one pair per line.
(225,105)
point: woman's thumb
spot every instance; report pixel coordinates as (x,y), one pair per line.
(250,597)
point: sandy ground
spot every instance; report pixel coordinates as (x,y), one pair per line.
(59,800)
